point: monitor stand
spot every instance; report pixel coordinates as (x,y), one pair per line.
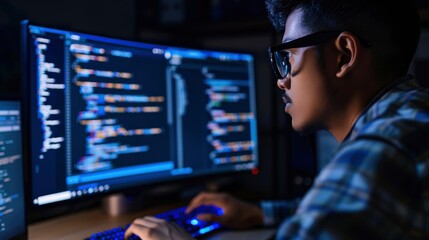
(119,203)
(122,203)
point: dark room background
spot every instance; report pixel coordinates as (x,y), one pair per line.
(288,162)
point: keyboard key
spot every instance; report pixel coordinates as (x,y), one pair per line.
(189,222)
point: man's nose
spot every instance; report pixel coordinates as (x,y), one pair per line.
(284,83)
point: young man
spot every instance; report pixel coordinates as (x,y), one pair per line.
(343,67)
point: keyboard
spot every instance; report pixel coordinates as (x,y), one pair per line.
(189,222)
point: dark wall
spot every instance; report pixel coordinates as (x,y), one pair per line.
(107,17)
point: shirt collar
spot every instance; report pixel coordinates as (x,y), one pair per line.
(364,117)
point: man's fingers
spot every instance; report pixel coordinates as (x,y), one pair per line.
(208,217)
(205,198)
(140,226)
(134,228)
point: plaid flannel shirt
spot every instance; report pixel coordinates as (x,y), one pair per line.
(376,186)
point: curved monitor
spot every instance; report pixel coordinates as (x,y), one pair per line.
(106,114)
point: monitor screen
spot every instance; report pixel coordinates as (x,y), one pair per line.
(12,200)
(107,114)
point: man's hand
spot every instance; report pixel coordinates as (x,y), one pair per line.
(152,228)
(236,213)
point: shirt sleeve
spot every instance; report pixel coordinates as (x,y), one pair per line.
(276,211)
(368,191)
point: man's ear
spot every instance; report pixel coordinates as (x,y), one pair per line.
(348,47)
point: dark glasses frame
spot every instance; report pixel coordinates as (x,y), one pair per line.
(278,57)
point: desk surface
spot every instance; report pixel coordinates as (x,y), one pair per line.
(82,224)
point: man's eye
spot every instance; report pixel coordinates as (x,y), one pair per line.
(285,56)
(285,53)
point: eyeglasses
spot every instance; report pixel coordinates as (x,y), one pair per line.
(280,59)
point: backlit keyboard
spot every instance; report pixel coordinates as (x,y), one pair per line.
(189,222)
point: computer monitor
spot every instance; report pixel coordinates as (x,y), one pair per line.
(107,115)
(12,200)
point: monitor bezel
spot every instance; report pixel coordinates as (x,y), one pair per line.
(46,211)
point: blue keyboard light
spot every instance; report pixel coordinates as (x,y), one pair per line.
(189,222)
